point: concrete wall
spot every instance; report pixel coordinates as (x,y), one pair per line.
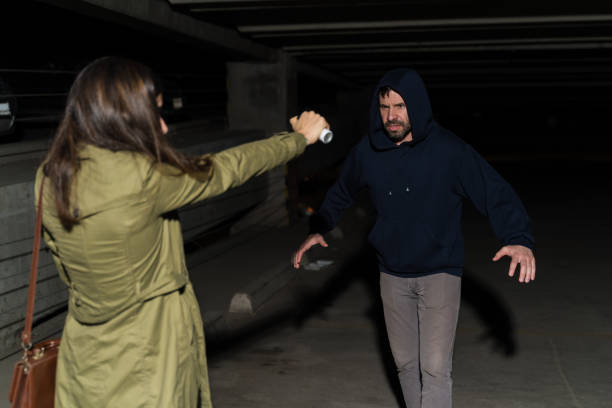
(17,223)
(263,96)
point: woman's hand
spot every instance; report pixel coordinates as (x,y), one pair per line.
(310,124)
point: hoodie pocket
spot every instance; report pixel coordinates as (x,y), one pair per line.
(408,246)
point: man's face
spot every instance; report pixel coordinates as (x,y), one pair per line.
(394,116)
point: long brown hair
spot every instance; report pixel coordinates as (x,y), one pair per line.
(112,104)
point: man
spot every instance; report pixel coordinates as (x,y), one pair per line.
(418,174)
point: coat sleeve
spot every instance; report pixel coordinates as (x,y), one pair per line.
(340,196)
(231,168)
(495,198)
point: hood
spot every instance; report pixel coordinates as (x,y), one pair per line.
(411,87)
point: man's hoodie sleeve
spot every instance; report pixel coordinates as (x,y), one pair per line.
(339,197)
(495,198)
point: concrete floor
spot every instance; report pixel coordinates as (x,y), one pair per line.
(320,341)
(516,346)
(546,344)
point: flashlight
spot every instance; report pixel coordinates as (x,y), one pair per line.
(326,136)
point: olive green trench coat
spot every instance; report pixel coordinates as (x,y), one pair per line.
(133,336)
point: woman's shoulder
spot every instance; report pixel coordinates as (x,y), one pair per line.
(106,176)
(117,165)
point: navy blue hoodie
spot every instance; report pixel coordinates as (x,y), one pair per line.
(418,188)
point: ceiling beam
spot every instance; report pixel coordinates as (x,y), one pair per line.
(475,62)
(160,14)
(450,43)
(223,1)
(325,75)
(449,22)
(459,48)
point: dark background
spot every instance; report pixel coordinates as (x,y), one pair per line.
(526,91)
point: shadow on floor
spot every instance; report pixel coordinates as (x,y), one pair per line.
(492,312)
(363,268)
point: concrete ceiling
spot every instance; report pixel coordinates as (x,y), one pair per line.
(460,43)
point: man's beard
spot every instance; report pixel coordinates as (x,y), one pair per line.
(400,134)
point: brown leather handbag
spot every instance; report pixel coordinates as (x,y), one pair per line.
(33,383)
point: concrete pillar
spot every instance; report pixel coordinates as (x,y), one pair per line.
(261,95)
(264,96)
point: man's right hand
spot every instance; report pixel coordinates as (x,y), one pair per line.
(311,240)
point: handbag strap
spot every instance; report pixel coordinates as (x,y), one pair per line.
(26,336)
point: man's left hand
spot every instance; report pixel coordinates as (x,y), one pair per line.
(519,255)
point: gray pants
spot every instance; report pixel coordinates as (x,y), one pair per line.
(421,317)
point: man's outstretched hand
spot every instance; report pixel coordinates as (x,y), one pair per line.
(519,255)
(310,241)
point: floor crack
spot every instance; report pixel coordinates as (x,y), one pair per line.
(566,382)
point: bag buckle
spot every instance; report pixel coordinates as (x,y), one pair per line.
(26,364)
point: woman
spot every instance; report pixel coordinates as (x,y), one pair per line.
(133,336)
